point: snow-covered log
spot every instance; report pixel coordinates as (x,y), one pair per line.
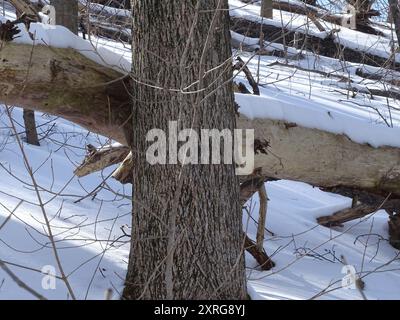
(64,83)
(325,44)
(324,159)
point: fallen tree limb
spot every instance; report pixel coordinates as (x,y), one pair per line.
(260,256)
(241,66)
(247,190)
(338,218)
(362,18)
(393,94)
(262,192)
(64,83)
(384,76)
(99,159)
(369,203)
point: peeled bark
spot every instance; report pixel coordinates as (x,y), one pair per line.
(101,159)
(124,172)
(187,240)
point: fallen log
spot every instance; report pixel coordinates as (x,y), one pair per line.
(368,203)
(383,76)
(324,159)
(247,190)
(325,46)
(64,83)
(338,218)
(109,30)
(362,18)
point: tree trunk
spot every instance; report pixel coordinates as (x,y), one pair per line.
(266,9)
(30,127)
(66,14)
(394,13)
(187,238)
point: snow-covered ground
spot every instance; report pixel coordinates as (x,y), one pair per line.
(85,231)
(87,220)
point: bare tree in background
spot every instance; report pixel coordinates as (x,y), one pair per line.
(66,14)
(361,5)
(266,9)
(395,16)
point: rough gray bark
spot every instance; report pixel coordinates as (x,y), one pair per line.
(66,14)
(187,238)
(30,127)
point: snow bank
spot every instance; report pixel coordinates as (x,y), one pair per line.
(307,113)
(61,37)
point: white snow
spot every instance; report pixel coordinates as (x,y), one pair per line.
(373,44)
(308,256)
(281,106)
(83,230)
